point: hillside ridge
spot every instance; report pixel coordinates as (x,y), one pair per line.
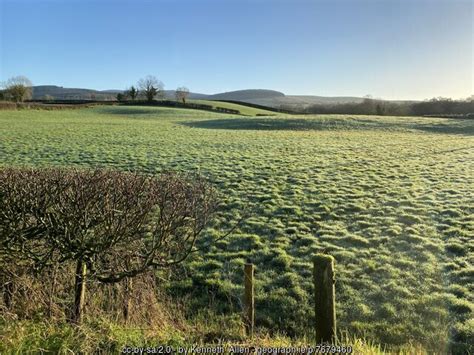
(263,97)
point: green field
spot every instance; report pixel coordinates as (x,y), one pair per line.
(392,199)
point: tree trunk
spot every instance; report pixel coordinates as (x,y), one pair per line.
(127,299)
(79,292)
(8,292)
(51,292)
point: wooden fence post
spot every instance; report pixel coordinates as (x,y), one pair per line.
(249,299)
(325,298)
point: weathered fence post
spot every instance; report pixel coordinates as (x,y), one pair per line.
(249,299)
(325,298)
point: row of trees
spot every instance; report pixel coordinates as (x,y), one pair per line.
(19,89)
(369,106)
(150,88)
(108,225)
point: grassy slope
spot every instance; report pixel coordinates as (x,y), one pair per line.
(390,198)
(245,110)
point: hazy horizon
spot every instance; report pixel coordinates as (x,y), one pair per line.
(395,50)
(252,88)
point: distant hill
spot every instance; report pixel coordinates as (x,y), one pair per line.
(269,98)
(301,101)
(276,99)
(61,93)
(244,95)
(170,94)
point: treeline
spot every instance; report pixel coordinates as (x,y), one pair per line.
(149,88)
(20,89)
(171,103)
(441,107)
(261,107)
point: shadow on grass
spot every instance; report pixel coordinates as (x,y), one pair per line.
(267,124)
(464,128)
(299,124)
(447,126)
(129,111)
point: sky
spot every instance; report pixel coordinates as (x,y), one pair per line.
(391,49)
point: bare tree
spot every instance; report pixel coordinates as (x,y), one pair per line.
(18,88)
(151,87)
(112,225)
(182,94)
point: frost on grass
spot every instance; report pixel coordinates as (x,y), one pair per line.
(390,198)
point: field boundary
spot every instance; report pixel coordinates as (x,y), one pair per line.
(262,107)
(41,104)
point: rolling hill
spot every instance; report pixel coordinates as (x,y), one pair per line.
(270,98)
(61,93)
(245,95)
(293,101)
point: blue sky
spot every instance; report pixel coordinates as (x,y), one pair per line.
(394,49)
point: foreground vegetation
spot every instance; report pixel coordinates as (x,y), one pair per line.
(103,336)
(390,198)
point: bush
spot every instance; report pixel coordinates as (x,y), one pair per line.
(6,105)
(112,225)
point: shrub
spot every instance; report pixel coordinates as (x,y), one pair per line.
(6,105)
(113,225)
